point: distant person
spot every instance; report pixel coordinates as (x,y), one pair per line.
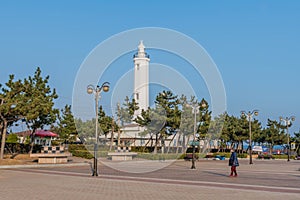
(233,162)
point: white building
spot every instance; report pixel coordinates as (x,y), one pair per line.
(141,78)
(130,135)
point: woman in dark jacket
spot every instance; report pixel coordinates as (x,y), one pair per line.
(233,162)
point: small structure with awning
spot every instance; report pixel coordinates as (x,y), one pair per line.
(44,137)
(41,137)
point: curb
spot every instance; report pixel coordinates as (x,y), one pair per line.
(43,165)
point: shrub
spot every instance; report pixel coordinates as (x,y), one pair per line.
(242,155)
(80,150)
(12,138)
(150,156)
(86,151)
(21,148)
(265,156)
(227,155)
(55,143)
(280,156)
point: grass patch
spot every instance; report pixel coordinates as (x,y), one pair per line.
(17,159)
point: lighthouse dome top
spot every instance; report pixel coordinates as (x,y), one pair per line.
(141,51)
(141,46)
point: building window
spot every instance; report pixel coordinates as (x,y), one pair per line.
(137,96)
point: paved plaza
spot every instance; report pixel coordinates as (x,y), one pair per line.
(266,179)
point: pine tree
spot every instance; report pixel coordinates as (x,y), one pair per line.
(66,125)
(10,105)
(106,123)
(38,103)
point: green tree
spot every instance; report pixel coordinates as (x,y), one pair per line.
(244,133)
(215,130)
(38,103)
(12,138)
(107,125)
(204,121)
(126,112)
(296,139)
(66,125)
(168,102)
(231,130)
(190,109)
(236,131)
(272,134)
(186,127)
(153,120)
(10,106)
(86,130)
(161,121)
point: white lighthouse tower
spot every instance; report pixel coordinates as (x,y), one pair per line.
(141,78)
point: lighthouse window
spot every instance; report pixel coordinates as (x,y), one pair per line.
(137,66)
(137,96)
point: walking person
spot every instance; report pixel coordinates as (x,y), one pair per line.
(233,162)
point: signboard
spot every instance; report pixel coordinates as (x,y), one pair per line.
(293,145)
(257,148)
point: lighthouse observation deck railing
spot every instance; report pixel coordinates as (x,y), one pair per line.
(136,55)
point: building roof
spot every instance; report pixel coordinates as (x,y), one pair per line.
(39,133)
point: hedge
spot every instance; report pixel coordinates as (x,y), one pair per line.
(227,155)
(21,148)
(151,156)
(79,150)
(86,151)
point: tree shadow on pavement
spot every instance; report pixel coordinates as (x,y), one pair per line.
(215,173)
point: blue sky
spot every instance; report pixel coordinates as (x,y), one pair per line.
(255,44)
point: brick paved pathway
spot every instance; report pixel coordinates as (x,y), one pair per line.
(264,180)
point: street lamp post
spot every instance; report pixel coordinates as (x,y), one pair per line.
(287,122)
(97,90)
(195,107)
(249,116)
(195,111)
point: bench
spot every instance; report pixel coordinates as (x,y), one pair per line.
(52,155)
(121,153)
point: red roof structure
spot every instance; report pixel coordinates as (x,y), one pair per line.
(43,133)
(39,133)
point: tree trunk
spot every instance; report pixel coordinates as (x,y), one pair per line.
(32,141)
(271,148)
(3,138)
(183,143)
(162,144)
(170,143)
(119,133)
(150,139)
(112,134)
(177,143)
(155,147)
(297,149)
(186,144)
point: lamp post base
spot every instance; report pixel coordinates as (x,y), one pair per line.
(95,170)
(193,158)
